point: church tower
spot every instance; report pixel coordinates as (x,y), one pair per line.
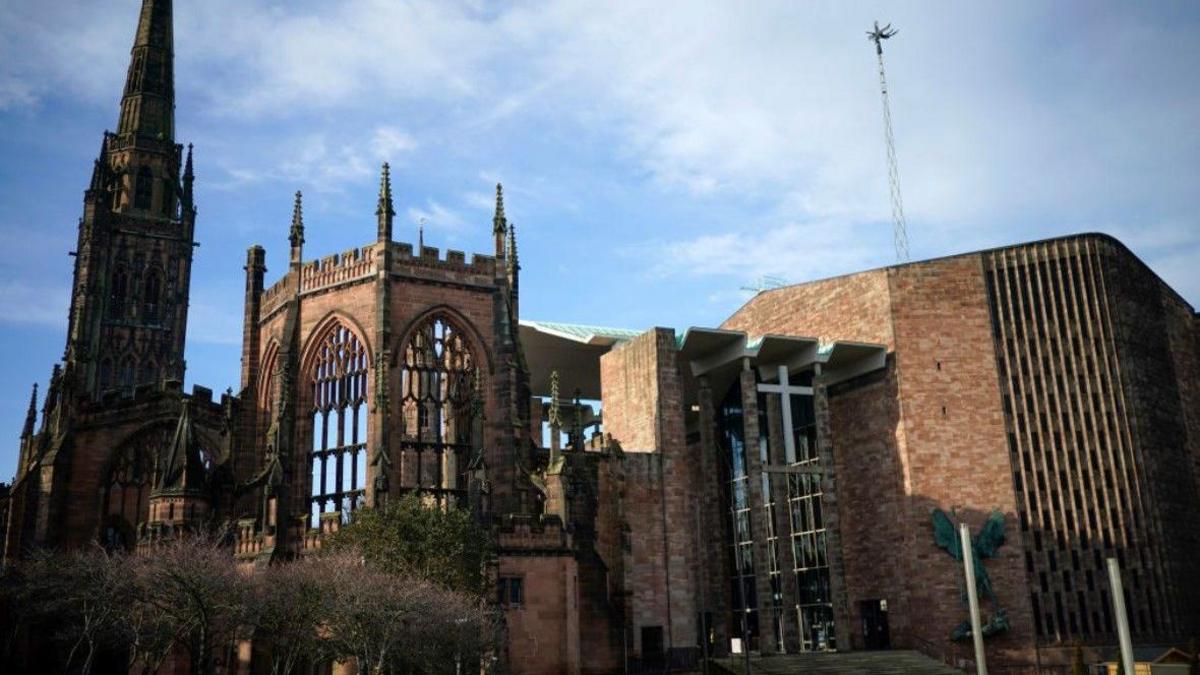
(134,254)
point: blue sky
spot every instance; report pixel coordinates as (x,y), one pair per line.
(656,156)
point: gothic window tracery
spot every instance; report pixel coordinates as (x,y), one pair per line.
(337,461)
(438,383)
(127,487)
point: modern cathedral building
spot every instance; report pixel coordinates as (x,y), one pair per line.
(768,484)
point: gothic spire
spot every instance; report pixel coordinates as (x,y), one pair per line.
(513,263)
(296,236)
(499,223)
(31,414)
(189,177)
(554,418)
(148,105)
(384,210)
(100,169)
(554,414)
(183,466)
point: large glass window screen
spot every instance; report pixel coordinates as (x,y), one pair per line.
(814,607)
(744,598)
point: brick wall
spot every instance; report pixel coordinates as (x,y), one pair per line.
(864,419)
(927,434)
(1157,356)
(954,453)
(851,307)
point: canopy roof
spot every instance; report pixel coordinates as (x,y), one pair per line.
(718,354)
(573,350)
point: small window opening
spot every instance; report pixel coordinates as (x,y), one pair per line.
(143,190)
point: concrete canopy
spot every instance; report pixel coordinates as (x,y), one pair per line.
(718,354)
(573,350)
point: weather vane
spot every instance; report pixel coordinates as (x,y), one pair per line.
(879,35)
(421,234)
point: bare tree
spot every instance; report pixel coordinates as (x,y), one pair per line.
(81,596)
(193,582)
(396,623)
(289,606)
(148,633)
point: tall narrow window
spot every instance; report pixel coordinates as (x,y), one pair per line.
(338,378)
(125,376)
(118,292)
(438,385)
(732,462)
(143,191)
(168,197)
(150,297)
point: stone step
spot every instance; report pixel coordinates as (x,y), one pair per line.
(894,662)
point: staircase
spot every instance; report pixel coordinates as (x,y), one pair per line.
(897,662)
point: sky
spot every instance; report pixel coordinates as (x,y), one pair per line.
(657,157)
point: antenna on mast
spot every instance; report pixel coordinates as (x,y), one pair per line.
(766,282)
(899,227)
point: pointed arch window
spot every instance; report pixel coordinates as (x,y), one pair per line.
(151,297)
(168,197)
(143,191)
(338,387)
(439,381)
(118,292)
(127,487)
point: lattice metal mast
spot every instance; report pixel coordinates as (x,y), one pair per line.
(899,227)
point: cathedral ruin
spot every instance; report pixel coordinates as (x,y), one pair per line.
(656,496)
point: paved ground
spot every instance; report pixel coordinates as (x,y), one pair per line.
(896,662)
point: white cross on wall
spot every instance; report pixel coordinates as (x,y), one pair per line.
(785,391)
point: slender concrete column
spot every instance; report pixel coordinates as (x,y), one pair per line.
(964,535)
(1118,599)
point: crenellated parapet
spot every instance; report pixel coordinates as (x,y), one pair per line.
(275,296)
(405,258)
(333,270)
(521,534)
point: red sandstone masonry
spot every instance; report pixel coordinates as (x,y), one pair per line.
(643,408)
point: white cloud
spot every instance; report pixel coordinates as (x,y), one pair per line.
(388,142)
(437,216)
(41,305)
(1002,134)
(320,161)
(795,251)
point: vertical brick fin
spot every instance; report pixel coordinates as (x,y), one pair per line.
(1079,366)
